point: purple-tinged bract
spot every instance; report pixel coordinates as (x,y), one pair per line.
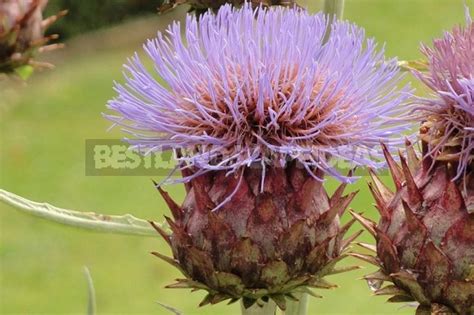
(424,237)
(449,128)
(260,86)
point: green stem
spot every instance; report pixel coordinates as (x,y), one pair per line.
(335,10)
(299,307)
(267,309)
(125,224)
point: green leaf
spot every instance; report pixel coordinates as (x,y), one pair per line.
(124,224)
(91,300)
(171,309)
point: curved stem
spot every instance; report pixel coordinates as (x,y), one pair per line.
(125,224)
(267,309)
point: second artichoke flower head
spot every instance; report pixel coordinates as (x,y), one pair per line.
(257,105)
(425,237)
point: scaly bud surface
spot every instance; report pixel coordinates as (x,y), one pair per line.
(261,244)
(425,237)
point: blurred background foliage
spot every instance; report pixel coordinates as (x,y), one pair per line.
(91,15)
(43,128)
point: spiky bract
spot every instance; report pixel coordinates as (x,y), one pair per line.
(261,86)
(424,238)
(260,245)
(22,33)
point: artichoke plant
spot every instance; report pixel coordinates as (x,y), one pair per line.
(425,238)
(22,30)
(256,104)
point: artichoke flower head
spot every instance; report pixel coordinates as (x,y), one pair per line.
(256,105)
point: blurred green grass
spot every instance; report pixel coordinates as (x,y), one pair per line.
(43,131)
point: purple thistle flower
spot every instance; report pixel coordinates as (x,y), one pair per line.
(449,129)
(261,87)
